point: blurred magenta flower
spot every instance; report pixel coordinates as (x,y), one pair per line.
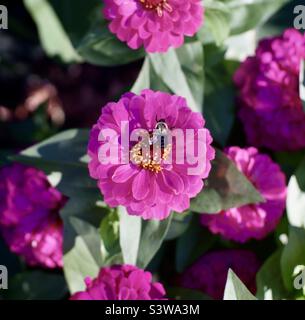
(147,186)
(270,106)
(121,282)
(256,220)
(155,24)
(29,215)
(209,273)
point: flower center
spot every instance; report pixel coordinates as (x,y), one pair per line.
(151,151)
(158,5)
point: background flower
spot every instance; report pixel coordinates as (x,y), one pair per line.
(209,273)
(121,282)
(256,220)
(270,106)
(153,190)
(29,216)
(154,24)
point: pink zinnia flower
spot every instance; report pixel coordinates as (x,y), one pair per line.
(256,220)
(29,215)
(121,282)
(209,273)
(270,106)
(150,188)
(155,24)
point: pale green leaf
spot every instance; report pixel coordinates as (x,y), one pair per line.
(293,255)
(270,285)
(51,32)
(235,289)
(152,235)
(130,232)
(84,259)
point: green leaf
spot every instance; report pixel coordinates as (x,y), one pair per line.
(63,157)
(219,107)
(225,188)
(84,251)
(192,244)
(82,216)
(110,233)
(152,235)
(149,79)
(279,22)
(36,285)
(217,22)
(302,83)
(234,17)
(144,78)
(194,71)
(84,259)
(219,113)
(130,232)
(76,22)
(241,46)
(270,285)
(53,151)
(213,57)
(293,256)
(173,73)
(289,161)
(52,35)
(4,155)
(181,77)
(235,289)
(180,223)
(101,47)
(88,32)
(249,14)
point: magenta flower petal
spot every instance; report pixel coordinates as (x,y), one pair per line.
(29,216)
(140,187)
(155,25)
(122,282)
(149,189)
(270,105)
(123,173)
(257,220)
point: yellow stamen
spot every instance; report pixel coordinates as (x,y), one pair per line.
(140,154)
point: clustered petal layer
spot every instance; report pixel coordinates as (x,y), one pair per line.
(209,273)
(121,282)
(29,215)
(270,105)
(256,220)
(155,24)
(146,193)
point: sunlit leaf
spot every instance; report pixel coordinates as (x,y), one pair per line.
(235,289)
(152,235)
(269,280)
(51,32)
(225,188)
